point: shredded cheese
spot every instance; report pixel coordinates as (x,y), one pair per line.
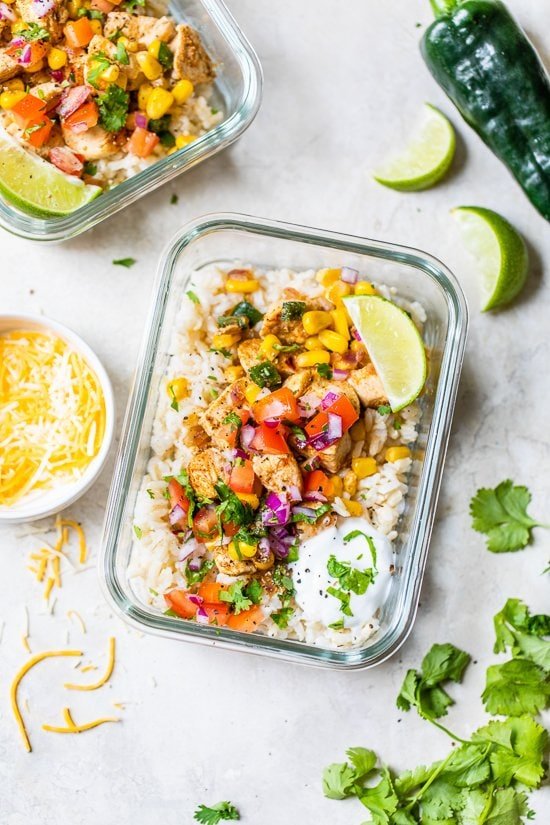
(47,654)
(78,617)
(106,676)
(72,727)
(46,562)
(53,413)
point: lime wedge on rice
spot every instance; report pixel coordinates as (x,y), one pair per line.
(394,346)
(427,158)
(36,186)
(500,253)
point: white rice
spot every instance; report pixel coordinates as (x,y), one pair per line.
(157,558)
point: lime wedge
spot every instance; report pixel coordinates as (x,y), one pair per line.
(427,158)
(394,346)
(36,186)
(500,253)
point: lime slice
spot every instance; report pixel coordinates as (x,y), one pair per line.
(394,346)
(427,158)
(500,253)
(36,186)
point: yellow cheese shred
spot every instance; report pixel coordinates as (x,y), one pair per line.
(78,617)
(106,676)
(72,727)
(39,657)
(53,413)
(82,548)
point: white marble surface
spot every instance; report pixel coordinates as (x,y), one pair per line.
(343,81)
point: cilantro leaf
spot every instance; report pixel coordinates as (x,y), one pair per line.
(516,629)
(236,596)
(121,55)
(325,371)
(232,509)
(519,753)
(254,591)
(34,32)
(350,578)
(355,534)
(383,409)
(424,691)
(113,108)
(501,514)
(192,296)
(338,781)
(363,761)
(196,576)
(381,799)
(211,816)
(127,262)
(165,56)
(282,617)
(515,688)
(99,63)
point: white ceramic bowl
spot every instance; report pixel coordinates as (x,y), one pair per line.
(49,502)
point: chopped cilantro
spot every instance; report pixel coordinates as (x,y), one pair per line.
(90,168)
(160,127)
(424,690)
(325,371)
(282,617)
(121,55)
(99,63)
(254,591)
(232,509)
(501,514)
(171,613)
(150,493)
(113,108)
(319,511)
(290,348)
(174,403)
(134,5)
(196,576)
(350,578)
(174,199)
(192,296)
(292,310)
(236,596)
(222,351)
(138,531)
(91,14)
(344,599)
(339,625)
(383,409)
(34,32)
(212,816)
(265,375)
(127,262)
(246,309)
(355,534)
(231,320)
(233,420)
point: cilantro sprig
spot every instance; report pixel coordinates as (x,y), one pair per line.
(501,514)
(225,811)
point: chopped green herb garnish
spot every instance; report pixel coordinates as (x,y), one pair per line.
(232,509)
(350,578)
(236,596)
(292,310)
(127,262)
(383,409)
(192,296)
(282,617)
(34,32)
(161,127)
(344,599)
(174,199)
(265,375)
(150,493)
(246,309)
(325,371)
(501,514)
(355,534)
(171,613)
(254,591)
(138,531)
(232,320)
(222,351)
(319,511)
(339,625)
(196,576)
(233,420)
(121,55)
(174,404)
(212,816)
(100,62)
(90,168)
(290,348)
(113,108)
(165,56)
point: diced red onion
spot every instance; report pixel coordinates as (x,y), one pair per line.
(329,400)
(57,75)
(67,161)
(277,510)
(195,599)
(308,405)
(314,495)
(294,493)
(176,514)
(42,7)
(201,616)
(6,13)
(280,541)
(185,550)
(195,564)
(300,510)
(263,548)
(340,375)
(335,429)
(72,99)
(271,424)
(247,436)
(240,454)
(348,275)
(356,335)
(25,57)
(140,120)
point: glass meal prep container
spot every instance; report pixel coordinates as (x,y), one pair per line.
(223,239)
(237,92)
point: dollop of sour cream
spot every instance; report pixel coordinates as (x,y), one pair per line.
(347,542)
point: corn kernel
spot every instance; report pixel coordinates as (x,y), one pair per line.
(111,73)
(264,564)
(154,47)
(268,347)
(365,288)
(36,67)
(333,341)
(74,7)
(245,286)
(9,99)
(158,103)
(57,58)
(129,45)
(182,91)
(313,343)
(340,322)
(234,373)
(149,65)
(358,432)
(326,277)
(184,140)
(143,95)
(241,550)
(122,81)
(9,2)
(178,388)
(225,340)
(336,292)
(357,346)
(252,392)
(15,85)
(96,26)
(19,26)
(354,508)
(312,358)
(350,483)
(249,498)
(315,321)
(397,453)
(337,486)
(364,466)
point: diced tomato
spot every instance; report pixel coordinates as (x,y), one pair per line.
(210,592)
(230,432)
(142,142)
(317,481)
(39,133)
(31,52)
(28,111)
(78,33)
(242,477)
(85,117)
(229,528)
(247,621)
(102,5)
(177,496)
(67,161)
(205,524)
(279,405)
(317,425)
(345,409)
(270,439)
(180,603)
(218,614)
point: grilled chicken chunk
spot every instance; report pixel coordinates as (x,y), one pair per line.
(249,353)
(290,331)
(280,474)
(368,386)
(53,20)
(307,531)
(9,67)
(205,469)
(139,27)
(212,419)
(299,382)
(232,567)
(335,456)
(93,144)
(190,58)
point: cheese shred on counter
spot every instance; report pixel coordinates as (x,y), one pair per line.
(52,418)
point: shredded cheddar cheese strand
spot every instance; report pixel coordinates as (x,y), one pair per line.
(39,657)
(78,617)
(72,727)
(82,548)
(53,413)
(106,676)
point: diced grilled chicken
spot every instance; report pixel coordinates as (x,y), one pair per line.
(335,456)
(307,531)
(32,11)
(49,92)
(368,386)
(9,67)
(98,44)
(190,58)
(212,419)
(249,353)
(280,474)
(291,331)
(299,382)
(205,469)
(232,567)
(93,144)
(139,27)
